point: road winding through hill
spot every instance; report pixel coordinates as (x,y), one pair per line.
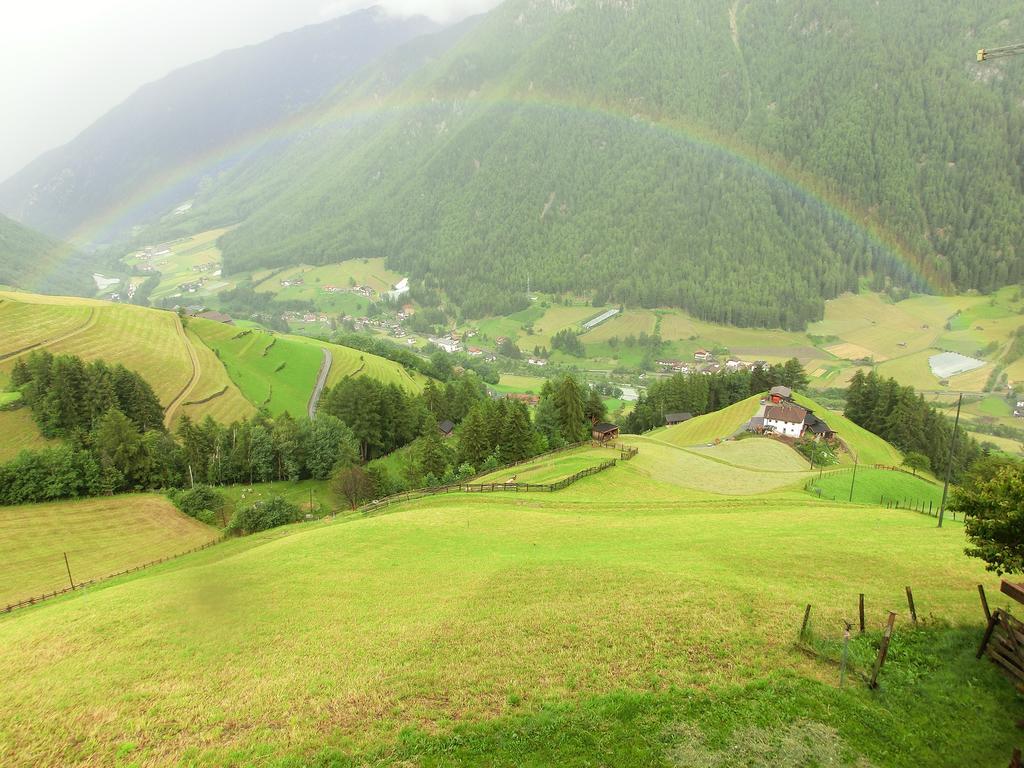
(321,381)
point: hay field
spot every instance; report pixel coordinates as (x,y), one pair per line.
(100,536)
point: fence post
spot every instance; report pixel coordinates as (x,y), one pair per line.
(861,613)
(846,646)
(883,650)
(807,618)
(69,570)
(910,602)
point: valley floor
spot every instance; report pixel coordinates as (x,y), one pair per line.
(635,618)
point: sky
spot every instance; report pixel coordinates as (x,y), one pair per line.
(64,63)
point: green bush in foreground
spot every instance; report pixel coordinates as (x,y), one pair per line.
(263,515)
(202,502)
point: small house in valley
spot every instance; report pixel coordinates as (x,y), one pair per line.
(445,428)
(604,431)
(677,418)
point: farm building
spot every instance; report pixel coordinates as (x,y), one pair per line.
(591,324)
(604,431)
(217,317)
(523,397)
(703,356)
(677,418)
(780,394)
(786,420)
(817,427)
(445,428)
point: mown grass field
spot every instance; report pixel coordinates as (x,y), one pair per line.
(100,536)
(871,485)
(628,620)
(710,426)
(510,383)
(369,272)
(214,394)
(19,433)
(26,324)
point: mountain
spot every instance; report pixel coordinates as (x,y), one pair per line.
(35,262)
(148,154)
(744,161)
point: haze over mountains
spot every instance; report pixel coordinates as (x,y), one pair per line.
(145,151)
(717,156)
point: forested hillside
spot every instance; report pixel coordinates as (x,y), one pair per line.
(207,112)
(727,158)
(32,261)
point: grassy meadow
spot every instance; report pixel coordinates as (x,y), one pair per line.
(20,433)
(179,266)
(636,618)
(548,469)
(710,426)
(100,536)
(872,485)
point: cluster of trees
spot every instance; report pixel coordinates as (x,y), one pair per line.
(901,416)
(569,342)
(68,396)
(699,393)
(990,498)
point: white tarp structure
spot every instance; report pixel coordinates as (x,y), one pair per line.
(949,364)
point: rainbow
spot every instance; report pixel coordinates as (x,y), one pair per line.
(812,190)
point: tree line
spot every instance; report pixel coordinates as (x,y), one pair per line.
(902,417)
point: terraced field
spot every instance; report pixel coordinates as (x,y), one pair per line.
(100,536)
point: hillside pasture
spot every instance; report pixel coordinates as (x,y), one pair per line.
(632,322)
(511,383)
(100,536)
(868,447)
(269,370)
(368,272)
(759,453)
(471,608)
(179,266)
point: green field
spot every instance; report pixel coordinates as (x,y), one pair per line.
(508,630)
(510,383)
(868,447)
(100,536)
(871,485)
(279,371)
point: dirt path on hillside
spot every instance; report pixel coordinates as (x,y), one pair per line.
(321,381)
(89,323)
(197,371)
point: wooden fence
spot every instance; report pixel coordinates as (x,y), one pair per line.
(89,582)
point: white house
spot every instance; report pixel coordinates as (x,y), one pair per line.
(787,420)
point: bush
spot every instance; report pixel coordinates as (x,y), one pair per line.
(264,515)
(200,502)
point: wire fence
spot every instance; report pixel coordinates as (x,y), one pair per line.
(904,502)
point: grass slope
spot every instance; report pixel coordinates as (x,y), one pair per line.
(20,433)
(498,630)
(100,536)
(872,485)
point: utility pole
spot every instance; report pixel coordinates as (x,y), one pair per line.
(949,460)
(66,565)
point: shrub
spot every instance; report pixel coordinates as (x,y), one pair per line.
(201,502)
(264,515)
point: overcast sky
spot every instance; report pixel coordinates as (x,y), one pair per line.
(63,63)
